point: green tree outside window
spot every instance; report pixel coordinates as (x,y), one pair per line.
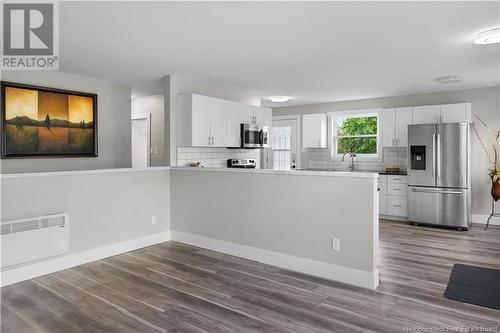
(358,134)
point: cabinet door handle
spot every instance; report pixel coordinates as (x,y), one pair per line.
(208,140)
(396,189)
(212,140)
(396,206)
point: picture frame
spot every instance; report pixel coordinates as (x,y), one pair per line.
(44,122)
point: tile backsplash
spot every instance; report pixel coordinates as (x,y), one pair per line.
(392,157)
(214,157)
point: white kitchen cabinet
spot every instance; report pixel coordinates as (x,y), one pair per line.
(382,204)
(446,113)
(251,114)
(456,113)
(200,117)
(393,196)
(238,114)
(218,110)
(314,130)
(404,117)
(387,127)
(259,115)
(393,126)
(382,195)
(427,114)
(396,206)
(234,119)
(201,121)
(204,121)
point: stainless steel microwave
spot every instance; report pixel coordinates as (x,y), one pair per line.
(254,136)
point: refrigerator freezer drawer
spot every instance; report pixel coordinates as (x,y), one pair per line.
(440,206)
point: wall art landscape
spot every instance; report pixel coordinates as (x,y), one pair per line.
(46,122)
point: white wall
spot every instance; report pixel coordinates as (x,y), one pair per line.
(113,110)
(287,213)
(485,103)
(180,84)
(153,105)
(104,206)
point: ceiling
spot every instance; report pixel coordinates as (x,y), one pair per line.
(314,52)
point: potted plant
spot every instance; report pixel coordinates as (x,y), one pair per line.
(493,158)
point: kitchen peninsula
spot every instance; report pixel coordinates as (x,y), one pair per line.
(309,221)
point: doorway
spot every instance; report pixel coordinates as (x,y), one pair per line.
(285,144)
(141,141)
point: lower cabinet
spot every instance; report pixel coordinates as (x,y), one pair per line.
(393,196)
(396,206)
(382,195)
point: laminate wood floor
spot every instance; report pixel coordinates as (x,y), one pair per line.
(172,287)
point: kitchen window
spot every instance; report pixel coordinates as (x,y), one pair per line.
(357,133)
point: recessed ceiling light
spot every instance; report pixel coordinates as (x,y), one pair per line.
(280,99)
(488,37)
(449,79)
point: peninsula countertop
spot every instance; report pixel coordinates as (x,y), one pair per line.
(323,173)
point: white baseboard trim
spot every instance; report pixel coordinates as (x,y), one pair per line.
(29,271)
(347,275)
(393,218)
(481,219)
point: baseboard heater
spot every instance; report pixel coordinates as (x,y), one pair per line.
(28,239)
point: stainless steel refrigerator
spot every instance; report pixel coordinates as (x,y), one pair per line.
(439,174)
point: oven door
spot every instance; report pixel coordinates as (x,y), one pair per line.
(254,136)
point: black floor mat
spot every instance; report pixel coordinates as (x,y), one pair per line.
(474,285)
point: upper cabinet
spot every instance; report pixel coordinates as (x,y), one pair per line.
(201,121)
(204,121)
(446,113)
(218,110)
(393,126)
(238,114)
(387,127)
(314,130)
(404,117)
(456,113)
(234,117)
(427,114)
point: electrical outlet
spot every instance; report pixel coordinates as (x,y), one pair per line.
(153,219)
(335,244)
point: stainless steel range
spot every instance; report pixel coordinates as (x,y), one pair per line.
(439,174)
(241,163)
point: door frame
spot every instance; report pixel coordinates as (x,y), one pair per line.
(147,117)
(298,144)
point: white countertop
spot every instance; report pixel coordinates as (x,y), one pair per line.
(372,175)
(79,172)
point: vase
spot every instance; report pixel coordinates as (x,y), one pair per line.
(495,190)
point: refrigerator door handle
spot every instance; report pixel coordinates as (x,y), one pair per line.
(435,155)
(438,157)
(439,192)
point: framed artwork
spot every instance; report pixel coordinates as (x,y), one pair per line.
(47,122)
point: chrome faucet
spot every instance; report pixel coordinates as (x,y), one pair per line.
(352,155)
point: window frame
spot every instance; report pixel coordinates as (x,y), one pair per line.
(333,116)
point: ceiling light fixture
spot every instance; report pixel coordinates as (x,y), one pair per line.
(280,99)
(490,36)
(449,79)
